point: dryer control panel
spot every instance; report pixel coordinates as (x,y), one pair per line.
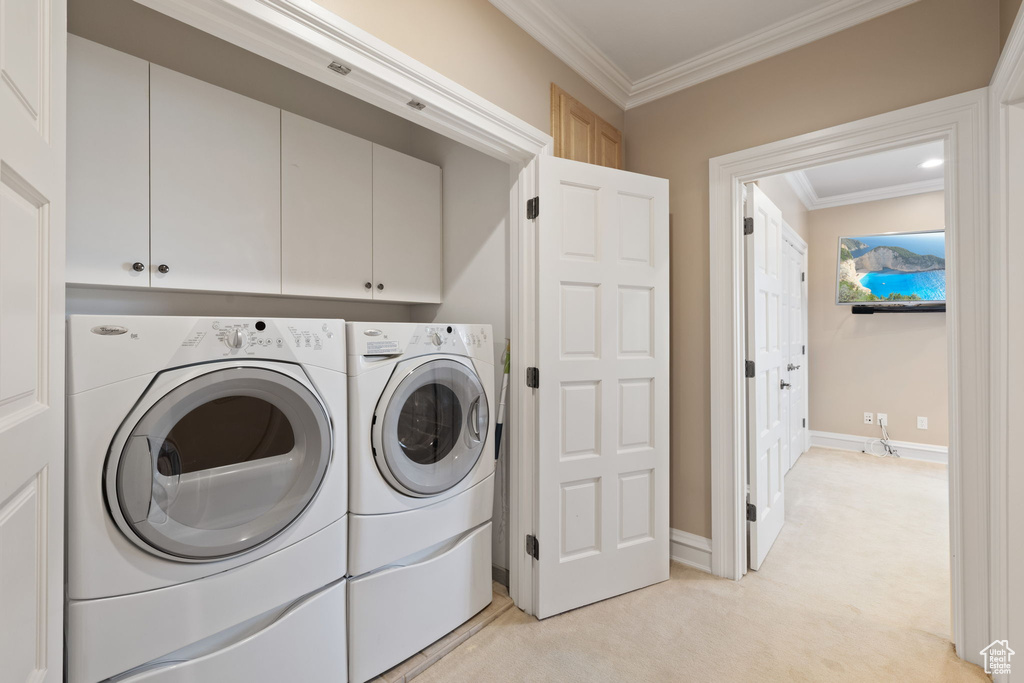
(126,346)
(409,339)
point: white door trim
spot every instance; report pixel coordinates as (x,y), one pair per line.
(305,37)
(1006,92)
(961,121)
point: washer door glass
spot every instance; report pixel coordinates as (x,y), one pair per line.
(434,428)
(223,463)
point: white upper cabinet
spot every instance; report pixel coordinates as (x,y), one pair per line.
(107,166)
(326,211)
(406,228)
(215,170)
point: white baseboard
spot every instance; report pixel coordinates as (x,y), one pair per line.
(691,550)
(911,451)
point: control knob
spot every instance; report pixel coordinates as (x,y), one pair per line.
(237,338)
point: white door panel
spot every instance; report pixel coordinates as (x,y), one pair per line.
(326,211)
(216,187)
(32,216)
(794,255)
(108,165)
(767,425)
(603,356)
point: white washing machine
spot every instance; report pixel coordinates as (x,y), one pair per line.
(207,483)
(421,486)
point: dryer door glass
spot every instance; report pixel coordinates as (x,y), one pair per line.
(434,428)
(223,463)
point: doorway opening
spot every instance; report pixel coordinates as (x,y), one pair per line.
(958,123)
(847,402)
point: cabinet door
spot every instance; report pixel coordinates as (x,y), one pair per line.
(216,187)
(406,228)
(326,211)
(107,166)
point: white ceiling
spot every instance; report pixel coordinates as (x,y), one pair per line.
(638,51)
(895,173)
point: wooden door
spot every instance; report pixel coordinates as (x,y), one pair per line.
(108,166)
(32,217)
(767,431)
(326,211)
(215,187)
(603,351)
(582,135)
(406,228)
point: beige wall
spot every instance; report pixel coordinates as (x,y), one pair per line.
(794,213)
(475,45)
(892,363)
(927,50)
(1007,13)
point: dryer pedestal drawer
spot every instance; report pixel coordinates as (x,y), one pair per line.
(396,612)
(305,642)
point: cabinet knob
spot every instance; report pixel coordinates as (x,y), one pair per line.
(164,268)
(368,285)
(380,286)
(138,266)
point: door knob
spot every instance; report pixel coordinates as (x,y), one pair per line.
(138,266)
(368,285)
(783,384)
(380,286)
(164,268)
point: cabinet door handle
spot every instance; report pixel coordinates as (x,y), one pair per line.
(164,268)
(138,266)
(368,285)
(380,286)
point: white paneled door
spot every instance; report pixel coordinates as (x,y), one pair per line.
(603,357)
(794,305)
(767,414)
(32,210)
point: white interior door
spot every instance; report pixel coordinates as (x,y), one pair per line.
(603,355)
(767,428)
(794,252)
(32,213)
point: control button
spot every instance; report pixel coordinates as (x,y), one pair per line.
(435,339)
(237,338)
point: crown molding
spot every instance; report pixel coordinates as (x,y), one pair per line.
(557,35)
(805,191)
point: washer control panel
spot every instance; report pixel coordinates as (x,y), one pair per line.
(405,339)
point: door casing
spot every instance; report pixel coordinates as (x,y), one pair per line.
(961,122)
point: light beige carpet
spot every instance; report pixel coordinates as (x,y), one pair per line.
(855,589)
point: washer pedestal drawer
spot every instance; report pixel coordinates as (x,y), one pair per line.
(304,641)
(399,610)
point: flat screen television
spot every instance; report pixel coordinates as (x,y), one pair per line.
(894,269)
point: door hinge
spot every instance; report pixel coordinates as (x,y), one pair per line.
(751,512)
(532,546)
(750,369)
(533,378)
(532,208)
(804,423)
(803,277)
(748,226)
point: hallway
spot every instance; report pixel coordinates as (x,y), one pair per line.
(855,589)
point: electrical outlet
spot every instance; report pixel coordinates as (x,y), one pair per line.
(883,419)
(869,418)
(922,422)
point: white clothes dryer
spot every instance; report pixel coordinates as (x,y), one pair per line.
(206,499)
(421,486)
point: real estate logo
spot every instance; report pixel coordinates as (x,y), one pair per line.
(997,657)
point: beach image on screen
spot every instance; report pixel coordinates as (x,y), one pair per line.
(896,268)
